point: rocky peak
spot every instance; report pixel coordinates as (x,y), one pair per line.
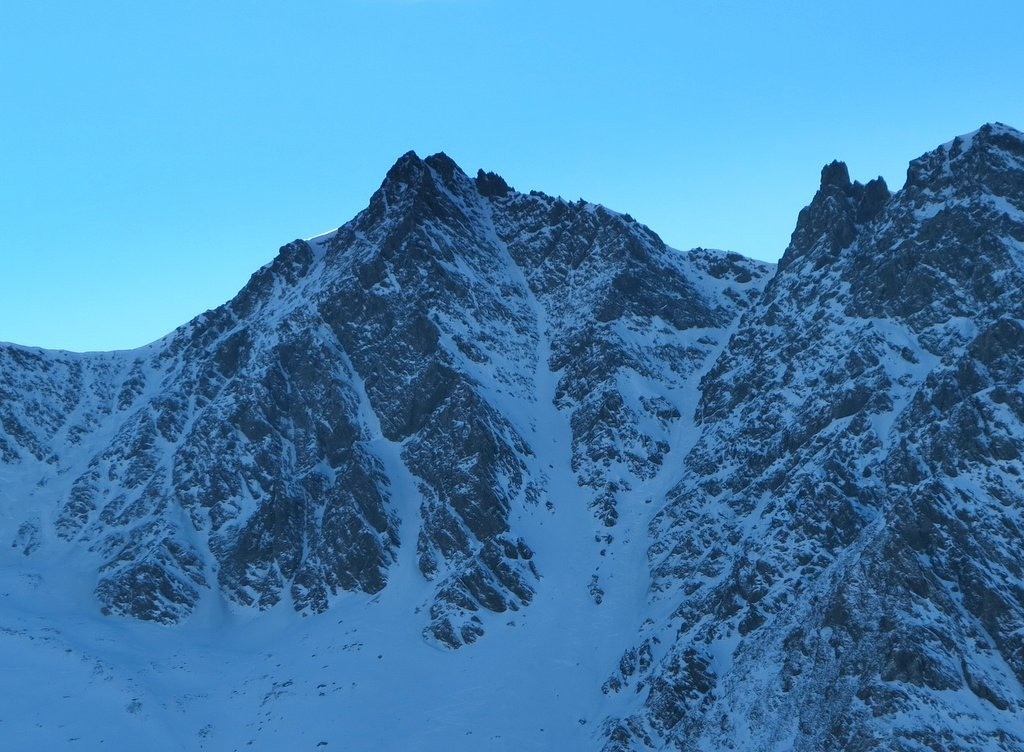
(444,166)
(406,169)
(491,185)
(857,459)
(950,245)
(835,175)
(412,171)
(412,180)
(831,221)
(988,161)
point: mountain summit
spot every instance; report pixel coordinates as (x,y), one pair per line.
(388,386)
(841,557)
(486,469)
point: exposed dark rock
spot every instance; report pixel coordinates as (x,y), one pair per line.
(876,489)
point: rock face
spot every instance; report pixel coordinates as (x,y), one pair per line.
(392,373)
(818,466)
(841,560)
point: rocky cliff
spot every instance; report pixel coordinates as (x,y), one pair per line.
(840,565)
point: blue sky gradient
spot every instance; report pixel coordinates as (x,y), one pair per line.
(153,155)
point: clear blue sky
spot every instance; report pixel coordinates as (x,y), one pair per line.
(154,154)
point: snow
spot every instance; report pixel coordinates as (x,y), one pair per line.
(360,676)
(319,243)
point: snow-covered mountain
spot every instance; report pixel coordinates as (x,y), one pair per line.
(491,470)
(839,567)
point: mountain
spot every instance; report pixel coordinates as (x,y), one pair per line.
(447,405)
(486,469)
(839,568)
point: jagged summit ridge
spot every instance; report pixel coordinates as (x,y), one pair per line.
(989,137)
(410,169)
(832,219)
(848,521)
(385,377)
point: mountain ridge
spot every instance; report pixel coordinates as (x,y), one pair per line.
(361,256)
(682,500)
(868,335)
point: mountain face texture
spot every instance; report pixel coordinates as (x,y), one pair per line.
(840,563)
(491,470)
